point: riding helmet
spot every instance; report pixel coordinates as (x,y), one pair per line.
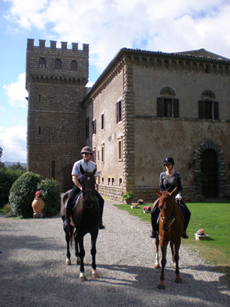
(168,160)
(86,150)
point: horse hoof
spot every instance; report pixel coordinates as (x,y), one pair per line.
(82,277)
(94,274)
(157,266)
(178,280)
(68,262)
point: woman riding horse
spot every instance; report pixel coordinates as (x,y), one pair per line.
(87,166)
(168,181)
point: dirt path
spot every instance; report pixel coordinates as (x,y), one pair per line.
(33,270)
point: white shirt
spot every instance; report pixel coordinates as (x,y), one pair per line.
(87,166)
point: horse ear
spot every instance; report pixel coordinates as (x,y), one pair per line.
(158,192)
(173,192)
(82,170)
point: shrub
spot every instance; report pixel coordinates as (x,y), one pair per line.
(22,194)
(51,190)
(128,196)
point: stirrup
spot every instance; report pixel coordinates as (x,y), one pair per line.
(101,226)
(66,224)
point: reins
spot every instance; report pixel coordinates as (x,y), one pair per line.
(173,215)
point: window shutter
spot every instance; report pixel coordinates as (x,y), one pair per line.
(159,107)
(176,107)
(117,112)
(216,110)
(201,109)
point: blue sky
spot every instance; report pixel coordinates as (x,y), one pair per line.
(107,26)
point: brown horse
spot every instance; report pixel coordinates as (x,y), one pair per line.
(171,227)
(85,219)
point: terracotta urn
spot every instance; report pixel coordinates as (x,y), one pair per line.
(38,205)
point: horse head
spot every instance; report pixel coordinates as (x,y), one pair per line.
(88,187)
(167,208)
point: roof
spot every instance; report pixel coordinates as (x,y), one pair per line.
(202,53)
(199,54)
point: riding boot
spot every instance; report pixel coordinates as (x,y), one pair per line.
(101,205)
(66,222)
(184,234)
(154,217)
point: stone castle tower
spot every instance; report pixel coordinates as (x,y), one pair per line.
(56,81)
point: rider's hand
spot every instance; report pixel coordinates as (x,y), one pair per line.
(178,197)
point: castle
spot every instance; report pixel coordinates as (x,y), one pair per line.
(144,106)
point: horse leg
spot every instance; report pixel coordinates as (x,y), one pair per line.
(178,278)
(163,264)
(68,238)
(93,253)
(82,255)
(173,254)
(157,264)
(77,250)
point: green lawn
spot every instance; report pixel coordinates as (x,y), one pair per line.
(214,218)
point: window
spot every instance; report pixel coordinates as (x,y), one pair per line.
(53,169)
(167,107)
(58,64)
(102,153)
(102,121)
(42,63)
(94,123)
(87,128)
(39,98)
(118,111)
(73,65)
(120,181)
(208,108)
(120,150)
(39,130)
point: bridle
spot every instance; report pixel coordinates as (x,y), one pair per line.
(173,215)
(84,192)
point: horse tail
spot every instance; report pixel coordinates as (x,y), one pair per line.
(64,199)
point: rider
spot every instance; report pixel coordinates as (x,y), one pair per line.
(88,165)
(168,181)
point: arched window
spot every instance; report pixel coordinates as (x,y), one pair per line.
(208,108)
(73,65)
(42,63)
(167,104)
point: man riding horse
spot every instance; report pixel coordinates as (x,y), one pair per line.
(88,166)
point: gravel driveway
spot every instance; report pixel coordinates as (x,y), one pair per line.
(33,270)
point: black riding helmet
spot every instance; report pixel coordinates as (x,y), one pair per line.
(168,160)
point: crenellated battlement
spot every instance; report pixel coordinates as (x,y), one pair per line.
(53,46)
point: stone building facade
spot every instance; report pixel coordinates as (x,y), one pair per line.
(143,107)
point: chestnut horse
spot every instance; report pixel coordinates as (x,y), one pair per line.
(85,219)
(171,227)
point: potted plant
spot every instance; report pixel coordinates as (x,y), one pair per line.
(127,197)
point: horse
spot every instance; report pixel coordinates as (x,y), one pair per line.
(171,227)
(85,219)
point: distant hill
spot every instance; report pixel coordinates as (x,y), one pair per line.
(13,163)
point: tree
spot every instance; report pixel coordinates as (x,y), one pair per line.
(1,150)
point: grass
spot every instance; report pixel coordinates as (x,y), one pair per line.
(214,218)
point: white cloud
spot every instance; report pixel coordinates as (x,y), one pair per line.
(13,143)
(108,26)
(16,92)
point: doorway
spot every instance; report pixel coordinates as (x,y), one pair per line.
(209,170)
